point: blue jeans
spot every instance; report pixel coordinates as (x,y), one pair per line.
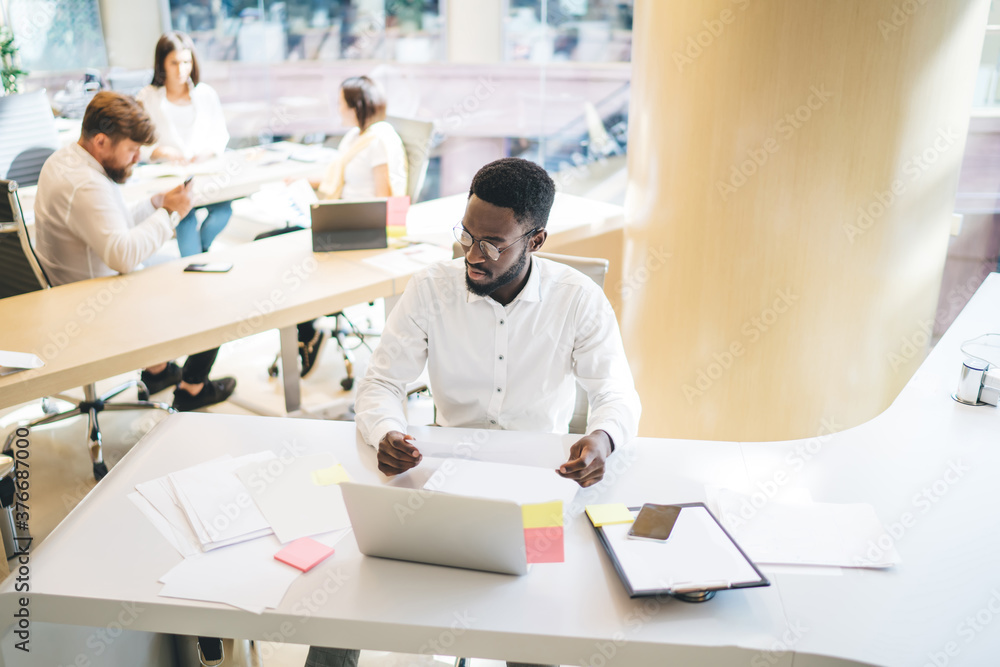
(345,657)
(193,240)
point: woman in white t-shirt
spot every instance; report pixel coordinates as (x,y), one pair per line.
(190,127)
(371,162)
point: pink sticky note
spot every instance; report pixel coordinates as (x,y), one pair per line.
(544,545)
(395,211)
(304,553)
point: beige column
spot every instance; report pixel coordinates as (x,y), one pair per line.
(131,29)
(792,169)
(474,31)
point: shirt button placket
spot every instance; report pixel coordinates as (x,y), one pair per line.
(499,366)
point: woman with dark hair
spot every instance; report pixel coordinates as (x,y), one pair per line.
(371,162)
(190,127)
(371,159)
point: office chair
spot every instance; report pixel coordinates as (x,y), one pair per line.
(21,273)
(418,139)
(28,136)
(594,268)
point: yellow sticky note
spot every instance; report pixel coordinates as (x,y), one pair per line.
(332,475)
(542,515)
(603,515)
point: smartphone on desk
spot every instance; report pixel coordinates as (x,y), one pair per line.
(654,522)
(209,267)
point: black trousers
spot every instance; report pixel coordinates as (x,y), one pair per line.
(198,366)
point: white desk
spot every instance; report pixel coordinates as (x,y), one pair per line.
(569,612)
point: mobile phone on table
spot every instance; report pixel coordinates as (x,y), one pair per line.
(654,522)
(209,267)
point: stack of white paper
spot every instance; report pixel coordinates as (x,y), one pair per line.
(217,504)
(807,533)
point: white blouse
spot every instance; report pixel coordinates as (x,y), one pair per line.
(207,132)
(386,148)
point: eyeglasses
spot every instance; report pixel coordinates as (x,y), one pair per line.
(490,251)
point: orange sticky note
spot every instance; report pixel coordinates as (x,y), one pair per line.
(544,545)
(542,515)
(304,553)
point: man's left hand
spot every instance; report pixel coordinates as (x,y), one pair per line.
(586,459)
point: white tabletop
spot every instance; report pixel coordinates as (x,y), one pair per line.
(569,612)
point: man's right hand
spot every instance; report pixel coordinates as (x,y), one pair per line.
(396,454)
(178,199)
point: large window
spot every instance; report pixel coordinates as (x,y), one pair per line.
(271,31)
(568,30)
(58,35)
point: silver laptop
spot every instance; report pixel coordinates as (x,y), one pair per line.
(348,225)
(437,528)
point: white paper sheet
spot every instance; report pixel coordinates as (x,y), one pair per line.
(844,535)
(548,454)
(408,260)
(177,541)
(217,504)
(502,481)
(697,556)
(292,503)
(244,575)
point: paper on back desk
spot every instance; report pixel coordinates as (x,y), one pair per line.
(502,481)
(290,501)
(217,504)
(810,533)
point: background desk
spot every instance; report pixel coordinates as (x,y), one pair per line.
(576,611)
(237,174)
(95,329)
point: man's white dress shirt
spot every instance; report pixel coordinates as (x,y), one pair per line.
(510,367)
(83,227)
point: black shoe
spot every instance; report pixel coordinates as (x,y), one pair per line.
(309,352)
(155,383)
(214,391)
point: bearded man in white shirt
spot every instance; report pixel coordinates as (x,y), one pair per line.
(505,336)
(84,229)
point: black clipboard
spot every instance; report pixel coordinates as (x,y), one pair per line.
(701,594)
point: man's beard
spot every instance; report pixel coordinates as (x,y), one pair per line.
(507,277)
(118,174)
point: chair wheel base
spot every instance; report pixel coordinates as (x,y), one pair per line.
(100,470)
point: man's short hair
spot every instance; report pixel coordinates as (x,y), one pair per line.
(519,185)
(119,117)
